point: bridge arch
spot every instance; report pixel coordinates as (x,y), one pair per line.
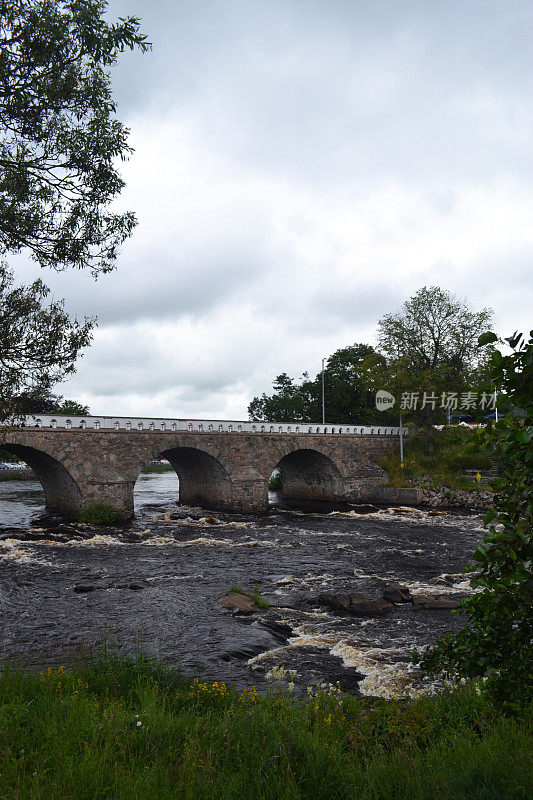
(308,474)
(203,480)
(61,492)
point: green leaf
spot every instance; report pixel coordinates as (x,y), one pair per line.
(486,338)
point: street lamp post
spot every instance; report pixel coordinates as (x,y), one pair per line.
(323,396)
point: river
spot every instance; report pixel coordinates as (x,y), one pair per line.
(152,585)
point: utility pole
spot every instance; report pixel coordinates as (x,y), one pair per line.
(323,396)
(401,443)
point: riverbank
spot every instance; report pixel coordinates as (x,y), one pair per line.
(17,475)
(444,496)
(124,728)
(457,474)
(157,469)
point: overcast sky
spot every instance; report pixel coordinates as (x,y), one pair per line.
(301,168)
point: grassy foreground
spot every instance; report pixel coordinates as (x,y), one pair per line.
(137,729)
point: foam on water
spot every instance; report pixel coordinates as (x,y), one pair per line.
(156,578)
(96,540)
(384,676)
(206,522)
(14,550)
(387,670)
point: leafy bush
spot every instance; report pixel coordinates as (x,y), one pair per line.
(274,482)
(497,644)
(455,449)
(469,461)
(451,435)
(98,514)
(8,457)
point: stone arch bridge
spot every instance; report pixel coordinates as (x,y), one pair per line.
(220,465)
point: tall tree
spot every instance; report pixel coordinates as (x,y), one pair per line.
(71,408)
(431,349)
(349,400)
(59,144)
(286,404)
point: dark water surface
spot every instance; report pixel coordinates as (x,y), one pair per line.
(153,585)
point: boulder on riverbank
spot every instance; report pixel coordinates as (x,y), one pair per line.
(443,496)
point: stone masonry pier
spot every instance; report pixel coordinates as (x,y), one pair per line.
(220,465)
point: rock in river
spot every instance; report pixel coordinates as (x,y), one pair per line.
(394,592)
(237,602)
(434,602)
(356,603)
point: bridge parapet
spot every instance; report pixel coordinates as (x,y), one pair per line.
(205,426)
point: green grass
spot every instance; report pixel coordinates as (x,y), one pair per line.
(260,601)
(453,454)
(98,514)
(136,730)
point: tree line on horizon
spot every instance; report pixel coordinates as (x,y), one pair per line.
(428,347)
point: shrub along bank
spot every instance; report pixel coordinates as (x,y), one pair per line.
(457,459)
(137,729)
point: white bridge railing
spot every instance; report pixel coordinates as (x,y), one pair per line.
(201,426)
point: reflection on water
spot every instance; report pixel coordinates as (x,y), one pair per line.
(154,583)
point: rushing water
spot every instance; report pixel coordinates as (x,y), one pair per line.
(153,585)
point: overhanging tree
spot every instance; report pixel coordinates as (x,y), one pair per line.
(42,401)
(59,145)
(39,344)
(60,137)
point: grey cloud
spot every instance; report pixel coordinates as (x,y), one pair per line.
(358,93)
(159,284)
